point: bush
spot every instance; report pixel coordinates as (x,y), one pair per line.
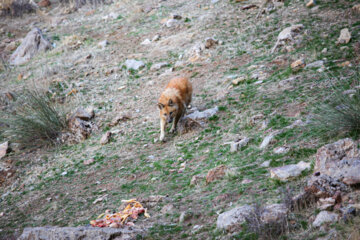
(37,120)
(16,8)
(340,112)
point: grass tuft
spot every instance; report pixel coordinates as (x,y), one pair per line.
(37,120)
(340,112)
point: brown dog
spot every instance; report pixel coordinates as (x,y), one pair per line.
(173,103)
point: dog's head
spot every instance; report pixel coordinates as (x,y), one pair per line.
(168,109)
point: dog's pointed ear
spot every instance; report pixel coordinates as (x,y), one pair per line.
(160,105)
(171,102)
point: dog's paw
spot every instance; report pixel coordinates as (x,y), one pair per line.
(162,138)
(173,130)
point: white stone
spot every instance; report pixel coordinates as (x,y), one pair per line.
(146,42)
(289,171)
(325,217)
(134,64)
(204,114)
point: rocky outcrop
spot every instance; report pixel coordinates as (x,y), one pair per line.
(79,233)
(232,220)
(32,44)
(340,160)
(80,126)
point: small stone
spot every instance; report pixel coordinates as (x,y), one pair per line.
(103,44)
(82,114)
(249,6)
(184,216)
(325,217)
(158,66)
(10,47)
(324,50)
(105,139)
(134,64)
(316,64)
(298,64)
(289,171)
(210,42)
(266,163)
(268,139)
(246,181)
(176,16)
(216,173)
(89,161)
(4,149)
(233,147)
(204,114)
(348,92)
(345,36)
(118,118)
(146,42)
(172,23)
(197,179)
(311,3)
(156,38)
(281,150)
(238,80)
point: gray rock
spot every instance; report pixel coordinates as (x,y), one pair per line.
(233,219)
(105,139)
(4,148)
(265,164)
(242,142)
(287,34)
(158,66)
(83,114)
(103,44)
(184,216)
(325,217)
(146,42)
(316,64)
(172,23)
(281,150)
(340,160)
(33,43)
(197,179)
(289,171)
(134,64)
(267,140)
(345,36)
(80,233)
(204,114)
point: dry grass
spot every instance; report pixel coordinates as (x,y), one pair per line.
(37,121)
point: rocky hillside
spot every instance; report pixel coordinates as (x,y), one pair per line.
(269,149)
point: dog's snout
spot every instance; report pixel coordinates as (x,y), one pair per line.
(170,120)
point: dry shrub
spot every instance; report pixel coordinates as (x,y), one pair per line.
(37,120)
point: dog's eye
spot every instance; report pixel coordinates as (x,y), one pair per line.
(171,113)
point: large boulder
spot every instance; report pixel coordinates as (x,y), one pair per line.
(77,233)
(340,160)
(233,219)
(32,44)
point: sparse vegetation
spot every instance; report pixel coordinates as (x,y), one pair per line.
(37,120)
(339,114)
